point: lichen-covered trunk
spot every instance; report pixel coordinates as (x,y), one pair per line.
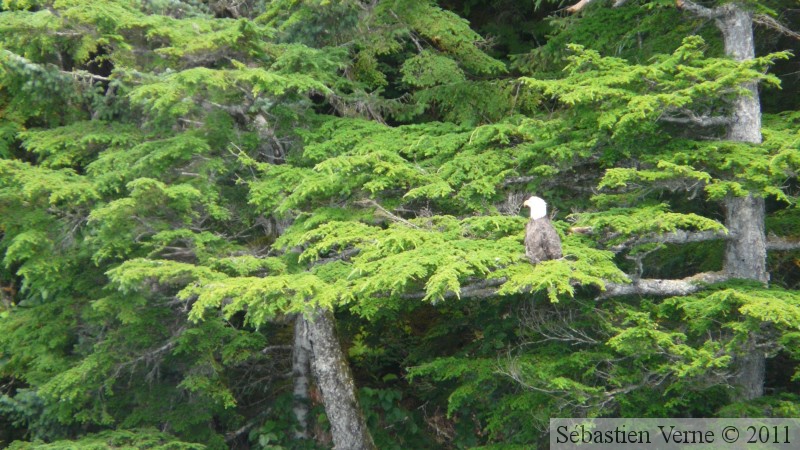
(746,251)
(335,382)
(301,375)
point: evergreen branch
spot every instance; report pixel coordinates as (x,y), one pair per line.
(782,244)
(663,288)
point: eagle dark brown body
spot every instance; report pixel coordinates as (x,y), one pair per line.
(542,242)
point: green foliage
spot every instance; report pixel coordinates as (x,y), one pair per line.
(178,178)
(621,223)
(428,69)
(121,439)
(384,411)
(581,265)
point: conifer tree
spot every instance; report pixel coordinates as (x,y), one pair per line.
(207,208)
(746,243)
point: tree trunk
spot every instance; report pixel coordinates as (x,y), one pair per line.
(736,25)
(348,427)
(301,374)
(746,251)
(750,370)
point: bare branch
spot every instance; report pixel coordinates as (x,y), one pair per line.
(689,118)
(85,74)
(579,6)
(518,180)
(698,10)
(276,348)
(771,22)
(675,237)
(657,287)
(480,289)
(554,323)
(782,244)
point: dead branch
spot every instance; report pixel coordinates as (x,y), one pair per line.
(556,323)
(772,23)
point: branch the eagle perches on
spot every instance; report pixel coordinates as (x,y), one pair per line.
(640,286)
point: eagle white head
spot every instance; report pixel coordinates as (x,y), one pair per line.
(538,207)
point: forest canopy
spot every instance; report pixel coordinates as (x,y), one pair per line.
(299,224)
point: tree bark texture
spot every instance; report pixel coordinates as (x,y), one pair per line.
(335,381)
(301,375)
(746,250)
(750,367)
(736,25)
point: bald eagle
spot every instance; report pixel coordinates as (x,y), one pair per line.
(541,239)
